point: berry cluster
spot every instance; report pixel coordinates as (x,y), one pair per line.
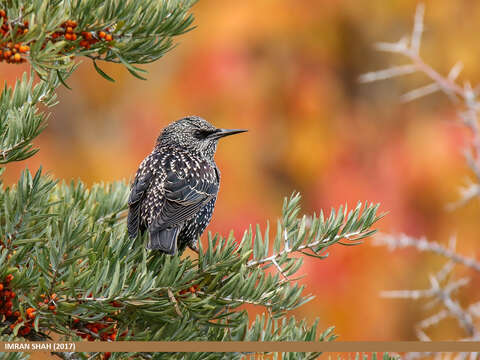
(105,329)
(14,52)
(6,297)
(14,317)
(192,289)
(49,302)
(6,28)
(11,52)
(89,38)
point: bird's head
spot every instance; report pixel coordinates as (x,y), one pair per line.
(194,133)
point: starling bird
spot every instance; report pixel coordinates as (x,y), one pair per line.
(175,188)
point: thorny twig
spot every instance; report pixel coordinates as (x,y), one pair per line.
(465,99)
(422,244)
(442,294)
(463,96)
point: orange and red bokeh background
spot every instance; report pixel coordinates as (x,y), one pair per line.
(288,71)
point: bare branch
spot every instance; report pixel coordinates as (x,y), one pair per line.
(422,244)
(418,28)
(388,73)
(433,320)
(420,92)
(465,97)
(397,47)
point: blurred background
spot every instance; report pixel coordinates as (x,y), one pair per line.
(288,71)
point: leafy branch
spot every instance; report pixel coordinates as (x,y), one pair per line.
(20,121)
(49,35)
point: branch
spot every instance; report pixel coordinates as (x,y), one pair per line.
(301,248)
(409,47)
(422,244)
(443,295)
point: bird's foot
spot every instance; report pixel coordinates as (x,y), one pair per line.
(194,247)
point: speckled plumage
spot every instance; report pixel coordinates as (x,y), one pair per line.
(175,188)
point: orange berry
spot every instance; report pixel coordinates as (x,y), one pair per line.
(74,37)
(51,307)
(17,57)
(42,295)
(12,294)
(9,276)
(16,46)
(68,36)
(102,34)
(1,285)
(54,296)
(16,314)
(9,313)
(108,37)
(69,29)
(25,31)
(31,316)
(29,310)
(2,13)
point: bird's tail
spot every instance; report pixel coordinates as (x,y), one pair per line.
(164,240)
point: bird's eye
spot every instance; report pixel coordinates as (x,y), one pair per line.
(202,134)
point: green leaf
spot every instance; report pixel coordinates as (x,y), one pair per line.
(101,72)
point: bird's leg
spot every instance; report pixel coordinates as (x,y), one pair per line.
(194,247)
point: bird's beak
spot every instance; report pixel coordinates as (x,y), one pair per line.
(220,133)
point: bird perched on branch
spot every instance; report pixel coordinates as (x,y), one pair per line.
(175,188)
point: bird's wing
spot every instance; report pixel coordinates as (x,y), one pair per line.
(184,196)
(137,194)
